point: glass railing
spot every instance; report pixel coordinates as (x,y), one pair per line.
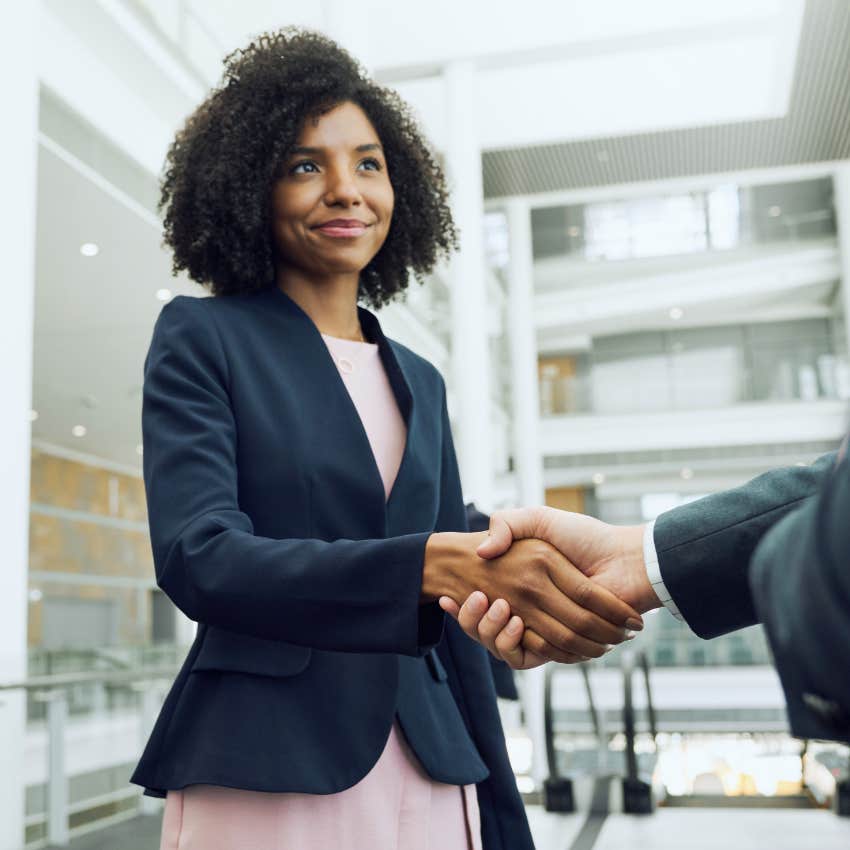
(97,694)
(85,734)
(788,379)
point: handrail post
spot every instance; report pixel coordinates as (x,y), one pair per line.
(557,790)
(57,781)
(637,794)
(558,793)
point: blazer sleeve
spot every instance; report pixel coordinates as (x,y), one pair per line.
(704,548)
(354,596)
(801,588)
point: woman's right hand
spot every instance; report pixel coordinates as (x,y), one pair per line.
(566,616)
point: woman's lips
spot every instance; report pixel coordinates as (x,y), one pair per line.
(343,228)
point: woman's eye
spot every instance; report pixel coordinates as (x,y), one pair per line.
(305,167)
(371,164)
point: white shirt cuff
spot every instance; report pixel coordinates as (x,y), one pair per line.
(653,571)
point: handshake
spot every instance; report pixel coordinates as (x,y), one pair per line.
(542,585)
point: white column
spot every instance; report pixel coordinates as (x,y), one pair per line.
(525,414)
(522,336)
(841,186)
(470,373)
(17,224)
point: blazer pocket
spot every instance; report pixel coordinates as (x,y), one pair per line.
(233,652)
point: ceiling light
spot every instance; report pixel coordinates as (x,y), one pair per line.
(33,415)
(89,249)
(676,313)
(774,212)
(163,295)
(35,595)
(79,430)
(598,478)
(573,231)
(139,449)
(687,473)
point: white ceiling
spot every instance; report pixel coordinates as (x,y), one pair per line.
(93,315)
(561,69)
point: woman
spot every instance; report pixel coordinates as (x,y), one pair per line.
(297,466)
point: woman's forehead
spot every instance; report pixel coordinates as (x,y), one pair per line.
(345,125)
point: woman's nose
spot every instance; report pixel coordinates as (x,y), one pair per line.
(342,190)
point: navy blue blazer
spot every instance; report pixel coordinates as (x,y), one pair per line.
(270,527)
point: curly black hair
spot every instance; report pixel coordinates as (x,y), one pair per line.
(222,165)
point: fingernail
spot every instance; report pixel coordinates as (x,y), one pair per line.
(610,649)
(630,635)
(476,602)
(515,625)
(496,611)
(632,623)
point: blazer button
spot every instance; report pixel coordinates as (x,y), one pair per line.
(827,710)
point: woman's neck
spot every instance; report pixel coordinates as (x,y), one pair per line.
(331,302)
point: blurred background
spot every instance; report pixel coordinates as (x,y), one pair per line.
(649,305)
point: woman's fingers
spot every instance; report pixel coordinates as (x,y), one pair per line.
(563,637)
(584,623)
(594,598)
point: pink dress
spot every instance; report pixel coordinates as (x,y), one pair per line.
(396,806)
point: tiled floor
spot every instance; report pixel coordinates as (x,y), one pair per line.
(667,829)
(701,829)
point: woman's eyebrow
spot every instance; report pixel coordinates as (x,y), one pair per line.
(300,150)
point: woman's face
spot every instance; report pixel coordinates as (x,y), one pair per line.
(332,207)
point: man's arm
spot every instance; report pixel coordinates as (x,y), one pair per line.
(800,583)
(704,548)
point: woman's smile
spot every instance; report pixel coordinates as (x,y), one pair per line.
(342,228)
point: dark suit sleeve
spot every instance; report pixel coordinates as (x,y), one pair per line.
(800,579)
(356,596)
(704,548)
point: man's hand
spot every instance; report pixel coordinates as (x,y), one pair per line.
(499,631)
(610,555)
(567,616)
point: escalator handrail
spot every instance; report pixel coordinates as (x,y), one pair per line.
(549,715)
(629,662)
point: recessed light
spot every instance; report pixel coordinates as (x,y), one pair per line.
(687,473)
(676,313)
(33,415)
(573,231)
(774,212)
(35,595)
(139,449)
(163,295)
(89,249)
(79,430)
(598,478)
